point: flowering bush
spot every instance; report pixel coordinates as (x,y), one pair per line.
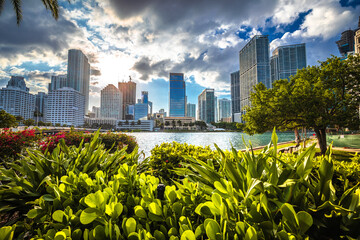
(117,141)
(12,143)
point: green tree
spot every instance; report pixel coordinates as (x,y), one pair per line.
(19,119)
(139,122)
(7,120)
(167,123)
(29,122)
(179,122)
(51,5)
(316,97)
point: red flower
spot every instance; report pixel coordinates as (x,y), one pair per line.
(167,161)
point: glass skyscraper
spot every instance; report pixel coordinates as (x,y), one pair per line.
(206,105)
(78,74)
(286,60)
(254,67)
(224,108)
(235,95)
(191,110)
(177,96)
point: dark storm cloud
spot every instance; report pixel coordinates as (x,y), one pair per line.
(146,67)
(38,33)
(169,14)
(95,72)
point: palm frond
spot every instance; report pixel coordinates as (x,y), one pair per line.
(18,12)
(1,5)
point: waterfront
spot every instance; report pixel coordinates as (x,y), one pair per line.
(148,140)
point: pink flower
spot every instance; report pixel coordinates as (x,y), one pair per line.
(167,161)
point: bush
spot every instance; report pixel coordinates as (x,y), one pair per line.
(111,141)
(168,156)
(13,143)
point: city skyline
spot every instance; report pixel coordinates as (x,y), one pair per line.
(139,40)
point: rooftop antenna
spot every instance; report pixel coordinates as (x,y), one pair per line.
(130,78)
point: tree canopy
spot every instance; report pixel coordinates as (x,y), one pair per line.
(7,120)
(316,97)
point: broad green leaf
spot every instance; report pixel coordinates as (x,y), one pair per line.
(159,235)
(155,209)
(99,232)
(7,233)
(33,213)
(305,221)
(251,234)
(76,235)
(212,229)
(289,214)
(140,212)
(130,225)
(58,216)
(220,187)
(118,209)
(188,235)
(133,236)
(173,231)
(60,235)
(94,200)
(216,199)
(88,215)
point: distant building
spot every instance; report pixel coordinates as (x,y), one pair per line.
(163,112)
(224,108)
(216,118)
(144,97)
(286,60)
(144,125)
(357,41)
(57,82)
(40,106)
(183,123)
(78,74)
(254,67)
(235,95)
(346,42)
(96,111)
(177,97)
(128,90)
(150,108)
(141,111)
(206,105)
(16,99)
(111,102)
(66,106)
(97,122)
(191,110)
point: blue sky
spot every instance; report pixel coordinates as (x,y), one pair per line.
(149,39)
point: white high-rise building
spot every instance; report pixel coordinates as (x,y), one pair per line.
(16,99)
(66,106)
(57,82)
(111,102)
(96,111)
(78,74)
(224,108)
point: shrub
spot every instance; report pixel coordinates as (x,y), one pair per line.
(12,143)
(168,156)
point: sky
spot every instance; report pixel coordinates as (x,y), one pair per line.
(149,39)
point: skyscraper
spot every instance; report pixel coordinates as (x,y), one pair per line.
(216,118)
(141,111)
(16,99)
(286,60)
(57,82)
(40,106)
(96,111)
(111,102)
(206,105)
(66,106)
(177,97)
(254,67)
(78,74)
(128,90)
(144,97)
(191,110)
(346,42)
(235,96)
(224,108)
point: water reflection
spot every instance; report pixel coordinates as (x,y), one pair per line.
(148,140)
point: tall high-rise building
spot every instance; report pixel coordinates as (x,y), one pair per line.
(191,110)
(66,106)
(216,119)
(150,108)
(111,102)
(96,111)
(346,42)
(254,67)
(144,97)
(57,82)
(162,111)
(206,105)
(128,90)
(235,96)
(16,99)
(78,74)
(286,60)
(177,96)
(141,111)
(40,106)
(224,108)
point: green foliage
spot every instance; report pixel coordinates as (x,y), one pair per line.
(227,125)
(168,156)
(315,98)
(7,120)
(89,193)
(29,122)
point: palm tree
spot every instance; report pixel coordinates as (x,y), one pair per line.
(51,5)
